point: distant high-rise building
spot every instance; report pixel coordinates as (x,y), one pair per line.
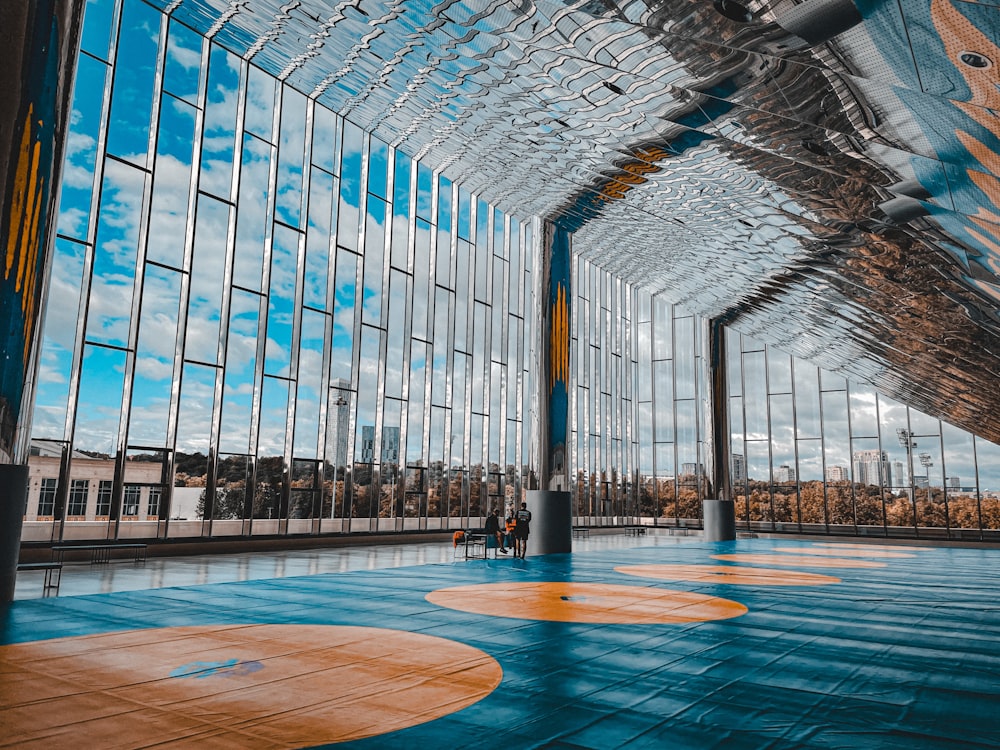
(739,468)
(955,482)
(898,477)
(693,469)
(872,467)
(784,474)
(390,444)
(339,420)
(837,474)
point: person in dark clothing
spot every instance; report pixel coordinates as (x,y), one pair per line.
(492,528)
(521,531)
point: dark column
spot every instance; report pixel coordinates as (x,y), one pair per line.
(718,506)
(551,504)
(38,45)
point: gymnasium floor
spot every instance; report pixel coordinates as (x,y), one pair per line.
(655,642)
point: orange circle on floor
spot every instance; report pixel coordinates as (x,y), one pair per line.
(249,686)
(843,552)
(808,561)
(897,547)
(561,601)
(736,574)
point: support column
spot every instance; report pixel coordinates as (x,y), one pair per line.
(38,46)
(551,504)
(718,507)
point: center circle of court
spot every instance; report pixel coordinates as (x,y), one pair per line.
(728,574)
(610,604)
(266,686)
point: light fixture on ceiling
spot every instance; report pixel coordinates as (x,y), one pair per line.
(733,10)
(903,209)
(818,21)
(975,60)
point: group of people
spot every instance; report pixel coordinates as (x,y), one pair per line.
(516,529)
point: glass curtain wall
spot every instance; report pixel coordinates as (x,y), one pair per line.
(262,320)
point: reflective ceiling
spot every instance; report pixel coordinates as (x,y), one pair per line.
(824,175)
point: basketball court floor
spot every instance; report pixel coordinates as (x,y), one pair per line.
(656,642)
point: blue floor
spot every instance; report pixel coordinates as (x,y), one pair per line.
(901,656)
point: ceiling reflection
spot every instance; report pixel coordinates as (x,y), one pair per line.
(824,174)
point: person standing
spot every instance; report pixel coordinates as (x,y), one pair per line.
(521,531)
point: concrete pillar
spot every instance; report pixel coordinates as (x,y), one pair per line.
(719,511)
(551,504)
(38,47)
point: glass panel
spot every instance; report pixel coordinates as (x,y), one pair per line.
(350,187)
(115,255)
(959,466)
(281,300)
(97,20)
(810,475)
(401,212)
(871,470)
(988,460)
(317,271)
(251,214)
(241,365)
(59,335)
(260,103)
(439,391)
(662,348)
(197,397)
(267,495)
(273,418)
(182,70)
(479,358)
(342,355)
(368,379)
(421,279)
(392,495)
(755,395)
(496,333)
(514,285)
(684,357)
(291,152)
(171,183)
(395,334)
(837,457)
(444,220)
(132,97)
(233,479)
(415,421)
(864,415)
(782,436)
(311,385)
(374,261)
(100,399)
(81,147)
(219,141)
(425,183)
(154,360)
(460,407)
(663,395)
(758,484)
(499,221)
(207,279)
(378,162)
(462,296)
(779,371)
(324,146)
(464,214)
(807,401)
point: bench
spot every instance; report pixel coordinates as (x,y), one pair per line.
(100,553)
(581,532)
(53,573)
(634,530)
